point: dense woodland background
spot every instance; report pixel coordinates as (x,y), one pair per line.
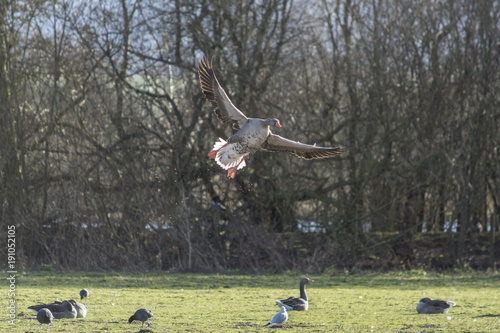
(105,133)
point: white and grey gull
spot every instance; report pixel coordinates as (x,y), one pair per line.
(279,319)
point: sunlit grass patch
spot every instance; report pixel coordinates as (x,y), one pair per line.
(343,302)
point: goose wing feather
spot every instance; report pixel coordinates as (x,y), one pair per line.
(276,143)
(224,108)
(53,307)
(441,304)
(293,301)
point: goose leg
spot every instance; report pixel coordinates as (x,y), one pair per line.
(231,172)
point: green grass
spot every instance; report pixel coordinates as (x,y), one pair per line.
(361,302)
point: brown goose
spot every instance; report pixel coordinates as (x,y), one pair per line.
(253,133)
(59,310)
(428,306)
(81,309)
(297,303)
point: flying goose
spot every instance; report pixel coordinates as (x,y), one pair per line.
(279,319)
(297,303)
(141,315)
(44,316)
(58,309)
(428,306)
(253,133)
(84,293)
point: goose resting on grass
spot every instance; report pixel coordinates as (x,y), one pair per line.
(141,315)
(253,133)
(279,319)
(81,309)
(297,303)
(428,306)
(44,316)
(59,310)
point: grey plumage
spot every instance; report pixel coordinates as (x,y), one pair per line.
(81,309)
(59,310)
(253,134)
(44,316)
(279,319)
(141,315)
(429,306)
(297,303)
(84,293)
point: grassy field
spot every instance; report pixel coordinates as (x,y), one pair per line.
(361,302)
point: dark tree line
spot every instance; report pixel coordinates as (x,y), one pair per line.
(105,133)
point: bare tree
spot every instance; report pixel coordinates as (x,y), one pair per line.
(105,132)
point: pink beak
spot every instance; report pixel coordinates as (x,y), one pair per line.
(278,124)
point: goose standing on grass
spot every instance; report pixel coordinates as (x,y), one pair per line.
(59,310)
(428,306)
(44,316)
(84,293)
(253,133)
(297,303)
(279,319)
(141,315)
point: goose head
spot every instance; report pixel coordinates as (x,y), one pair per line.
(305,281)
(272,122)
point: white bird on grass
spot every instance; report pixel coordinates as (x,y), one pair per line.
(279,319)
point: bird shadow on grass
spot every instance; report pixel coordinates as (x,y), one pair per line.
(243,325)
(489,315)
